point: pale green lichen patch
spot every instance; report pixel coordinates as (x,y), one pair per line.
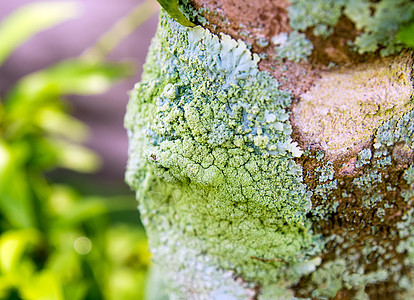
(343,109)
(406,232)
(321,15)
(398,129)
(406,247)
(211,159)
(364,158)
(293,46)
(409,175)
(378,21)
(326,172)
(347,273)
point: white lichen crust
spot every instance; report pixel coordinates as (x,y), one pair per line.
(211,159)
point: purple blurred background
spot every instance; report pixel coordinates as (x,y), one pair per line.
(102,113)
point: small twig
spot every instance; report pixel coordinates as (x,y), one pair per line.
(269,260)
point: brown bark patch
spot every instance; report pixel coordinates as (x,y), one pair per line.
(359,226)
(335,48)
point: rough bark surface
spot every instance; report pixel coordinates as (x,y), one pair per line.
(337,222)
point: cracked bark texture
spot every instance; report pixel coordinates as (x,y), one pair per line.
(351,114)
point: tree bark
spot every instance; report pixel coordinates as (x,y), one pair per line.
(271,148)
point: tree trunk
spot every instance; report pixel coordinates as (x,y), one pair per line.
(272,150)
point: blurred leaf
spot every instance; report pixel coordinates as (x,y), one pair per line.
(43,286)
(55,121)
(31,19)
(73,76)
(126,283)
(20,276)
(43,89)
(75,157)
(128,246)
(12,246)
(42,224)
(75,290)
(4,288)
(82,211)
(406,35)
(66,265)
(15,202)
(61,199)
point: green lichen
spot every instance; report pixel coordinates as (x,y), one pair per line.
(383,162)
(379,21)
(406,231)
(406,247)
(293,46)
(329,205)
(397,132)
(328,279)
(262,42)
(326,172)
(364,158)
(381,27)
(211,159)
(409,175)
(368,181)
(339,274)
(408,194)
(321,15)
(398,129)
(370,201)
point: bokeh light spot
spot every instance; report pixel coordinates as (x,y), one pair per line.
(82,245)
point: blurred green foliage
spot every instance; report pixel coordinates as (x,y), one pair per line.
(54,242)
(406,35)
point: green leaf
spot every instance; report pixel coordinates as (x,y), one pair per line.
(56,122)
(12,246)
(16,205)
(75,157)
(31,19)
(43,285)
(171,7)
(73,76)
(406,35)
(80,212)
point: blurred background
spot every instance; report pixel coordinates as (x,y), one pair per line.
(69,227)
